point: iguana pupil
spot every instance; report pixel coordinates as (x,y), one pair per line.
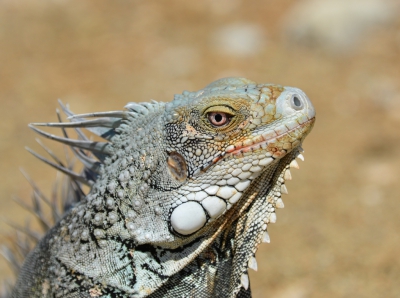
(218,118)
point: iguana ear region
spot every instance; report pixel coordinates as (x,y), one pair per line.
(177,166)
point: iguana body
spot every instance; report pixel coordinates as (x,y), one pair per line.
(180,199)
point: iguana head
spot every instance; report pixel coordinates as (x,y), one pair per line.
(222,138)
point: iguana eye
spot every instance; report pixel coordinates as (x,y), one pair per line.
(219,118)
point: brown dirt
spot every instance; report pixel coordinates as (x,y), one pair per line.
(336,236)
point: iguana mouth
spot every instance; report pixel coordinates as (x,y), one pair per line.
(261,141)
(240,148)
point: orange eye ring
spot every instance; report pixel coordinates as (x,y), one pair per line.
(219,118)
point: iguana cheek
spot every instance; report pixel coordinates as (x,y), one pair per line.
(215,206)
(188,218)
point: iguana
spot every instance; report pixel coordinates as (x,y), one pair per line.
(180,197)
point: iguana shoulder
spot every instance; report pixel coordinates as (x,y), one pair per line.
(181,194)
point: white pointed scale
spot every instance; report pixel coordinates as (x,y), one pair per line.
(272,217)
(284,189)
(253,264)
(294,164)
(288,175)
(265,238)
(279,204)
(244,280)
(301,157)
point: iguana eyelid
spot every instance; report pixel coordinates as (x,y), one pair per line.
(223,109)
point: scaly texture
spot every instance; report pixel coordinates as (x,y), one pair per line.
(181,194)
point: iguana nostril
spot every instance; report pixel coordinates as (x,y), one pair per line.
(296,103)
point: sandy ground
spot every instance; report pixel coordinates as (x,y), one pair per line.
(336,236)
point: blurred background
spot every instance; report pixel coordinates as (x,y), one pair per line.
(338,234)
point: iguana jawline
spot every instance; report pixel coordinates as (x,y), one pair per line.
(234,150)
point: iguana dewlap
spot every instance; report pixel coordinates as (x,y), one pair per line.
(181,194)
